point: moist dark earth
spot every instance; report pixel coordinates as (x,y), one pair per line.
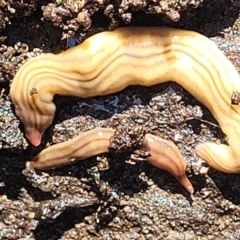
(106,197)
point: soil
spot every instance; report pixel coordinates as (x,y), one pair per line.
(105,197)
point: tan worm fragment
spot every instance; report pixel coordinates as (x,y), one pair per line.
(166,155)
(85,145)
(110,61)
(163,154)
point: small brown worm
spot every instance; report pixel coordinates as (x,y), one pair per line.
(163,154)
(110,61)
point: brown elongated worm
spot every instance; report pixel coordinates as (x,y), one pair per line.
(110,61)
(163,154)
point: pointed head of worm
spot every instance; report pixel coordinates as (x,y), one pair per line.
(34,132)
(34,136)
(31,93)
(166,155)
(35,120)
